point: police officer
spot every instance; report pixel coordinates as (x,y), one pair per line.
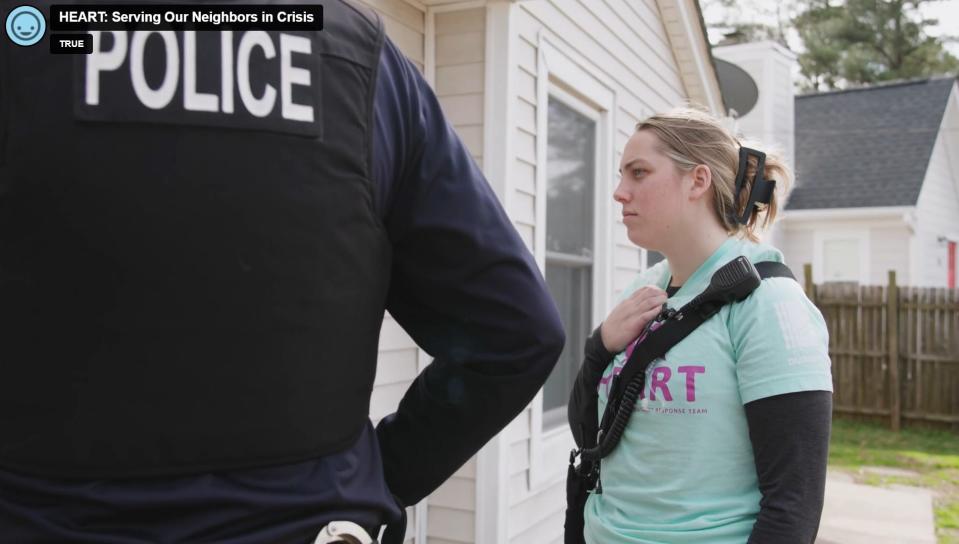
(199,234)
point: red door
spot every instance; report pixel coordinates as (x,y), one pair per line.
(952,265)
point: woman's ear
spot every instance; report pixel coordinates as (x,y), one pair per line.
(702,181)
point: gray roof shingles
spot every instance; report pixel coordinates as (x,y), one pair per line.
(866,147)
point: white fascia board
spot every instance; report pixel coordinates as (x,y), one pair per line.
(710,85)
(824,214)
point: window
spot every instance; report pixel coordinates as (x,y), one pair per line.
(571,175)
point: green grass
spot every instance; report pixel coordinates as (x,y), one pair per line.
(932,454)
(949,516)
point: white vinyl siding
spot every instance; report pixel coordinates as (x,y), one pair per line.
(841,260)
(890,251)
(460,67)
(452,508)
(395,369)
(797,248)
(884,239)
(405,25)
(938,207)
(523,210)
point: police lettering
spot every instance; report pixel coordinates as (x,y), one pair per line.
(181,72)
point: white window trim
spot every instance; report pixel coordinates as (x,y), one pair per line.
(567,76)
(821,236)
(491,513)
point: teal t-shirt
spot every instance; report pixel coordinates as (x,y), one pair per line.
(684,470)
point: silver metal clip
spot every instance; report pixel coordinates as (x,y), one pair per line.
(343,531)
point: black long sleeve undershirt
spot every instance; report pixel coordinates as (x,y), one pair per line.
(584,398)
(790,438)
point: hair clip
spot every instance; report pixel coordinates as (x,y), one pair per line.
(762,189)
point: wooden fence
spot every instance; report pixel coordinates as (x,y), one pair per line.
(894,350)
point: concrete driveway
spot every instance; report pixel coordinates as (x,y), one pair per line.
(864,514)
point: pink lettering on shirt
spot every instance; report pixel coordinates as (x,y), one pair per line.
(690,372)
(661,375)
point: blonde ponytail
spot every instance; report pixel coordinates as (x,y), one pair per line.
(691,137)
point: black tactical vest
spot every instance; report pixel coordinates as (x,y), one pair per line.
(192,273)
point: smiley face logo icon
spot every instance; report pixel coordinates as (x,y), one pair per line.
(25,25)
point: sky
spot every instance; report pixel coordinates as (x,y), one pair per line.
(946,11)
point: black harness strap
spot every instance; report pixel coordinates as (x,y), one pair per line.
(772,269)
(674,330)
(670,333)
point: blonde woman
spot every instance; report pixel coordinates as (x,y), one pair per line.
(729,438)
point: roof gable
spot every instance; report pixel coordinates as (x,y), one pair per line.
(866,147)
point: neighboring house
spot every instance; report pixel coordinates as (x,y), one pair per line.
(545,94)
(877,184)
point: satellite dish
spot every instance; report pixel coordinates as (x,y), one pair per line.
(739,90)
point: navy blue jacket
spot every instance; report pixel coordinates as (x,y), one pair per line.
(466,289)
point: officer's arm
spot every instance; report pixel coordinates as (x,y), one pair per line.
(465,288)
